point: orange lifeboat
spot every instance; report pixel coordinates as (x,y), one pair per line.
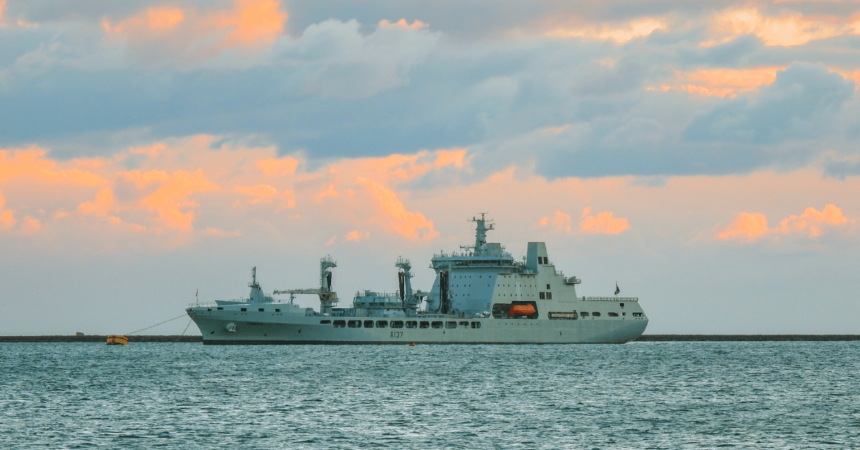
(117,339)
(522,310)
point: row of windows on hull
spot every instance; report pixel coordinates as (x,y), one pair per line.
(246,309)
(612,314)
(399,324)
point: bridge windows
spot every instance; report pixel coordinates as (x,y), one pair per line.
(339,323)
(637,314)
(396,324)
(424,324)
(354,324)
(595,314)
(613,314)
(368,324)
(584,314)
(261,309)
(244,309)
(476,324)
(277,309)
(411,324)
(381,324)
(451,324)
(437,324)
(464,324)
(325,322)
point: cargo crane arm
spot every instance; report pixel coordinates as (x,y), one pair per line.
(325,294)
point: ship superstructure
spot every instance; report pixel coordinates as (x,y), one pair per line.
(481,294)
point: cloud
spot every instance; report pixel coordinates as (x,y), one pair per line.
(102,204)
(787,30)
(620,33)
(748,226)
(841,168)
(396,218)
(223,234)
(356,236)
(192,33)
(340,61)
(278,166)
(560,221)
(722,82)
(30,225)
(813,223)
(402,23)
(7,217)
(170,199)
(173,181)
(603,223)
(802,102)
(264,193)
(31,162)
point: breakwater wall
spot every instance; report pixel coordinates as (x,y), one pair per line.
(643,338)
(746,337)
(101,339)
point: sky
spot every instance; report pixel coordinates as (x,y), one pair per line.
(703,155)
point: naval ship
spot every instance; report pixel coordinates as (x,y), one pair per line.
(481,295)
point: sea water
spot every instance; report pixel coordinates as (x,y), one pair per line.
(638,395)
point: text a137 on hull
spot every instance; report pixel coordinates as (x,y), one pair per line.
(481,295)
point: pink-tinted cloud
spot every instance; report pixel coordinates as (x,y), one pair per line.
(747,226)
(7,217)
(620,33)
(30,225)
(102,204)
(559,221)
(787,29)
(164,191)
(275,167)
(395,216)
(264,193)
(190,32)
(722,82)
(31,162)
(813,223)
(356,235)
(171,201)
(402,23)
(603,223)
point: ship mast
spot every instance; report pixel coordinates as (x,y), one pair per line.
(483,225)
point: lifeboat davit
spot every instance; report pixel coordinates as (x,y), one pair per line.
(522,310)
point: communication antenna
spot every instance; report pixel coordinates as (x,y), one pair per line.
(197,300)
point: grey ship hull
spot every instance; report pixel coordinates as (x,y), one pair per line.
(309,330)
(482,296)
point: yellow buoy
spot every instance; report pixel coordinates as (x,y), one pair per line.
(117,339)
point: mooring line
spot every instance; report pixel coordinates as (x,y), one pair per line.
(142,329)
(183,331)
